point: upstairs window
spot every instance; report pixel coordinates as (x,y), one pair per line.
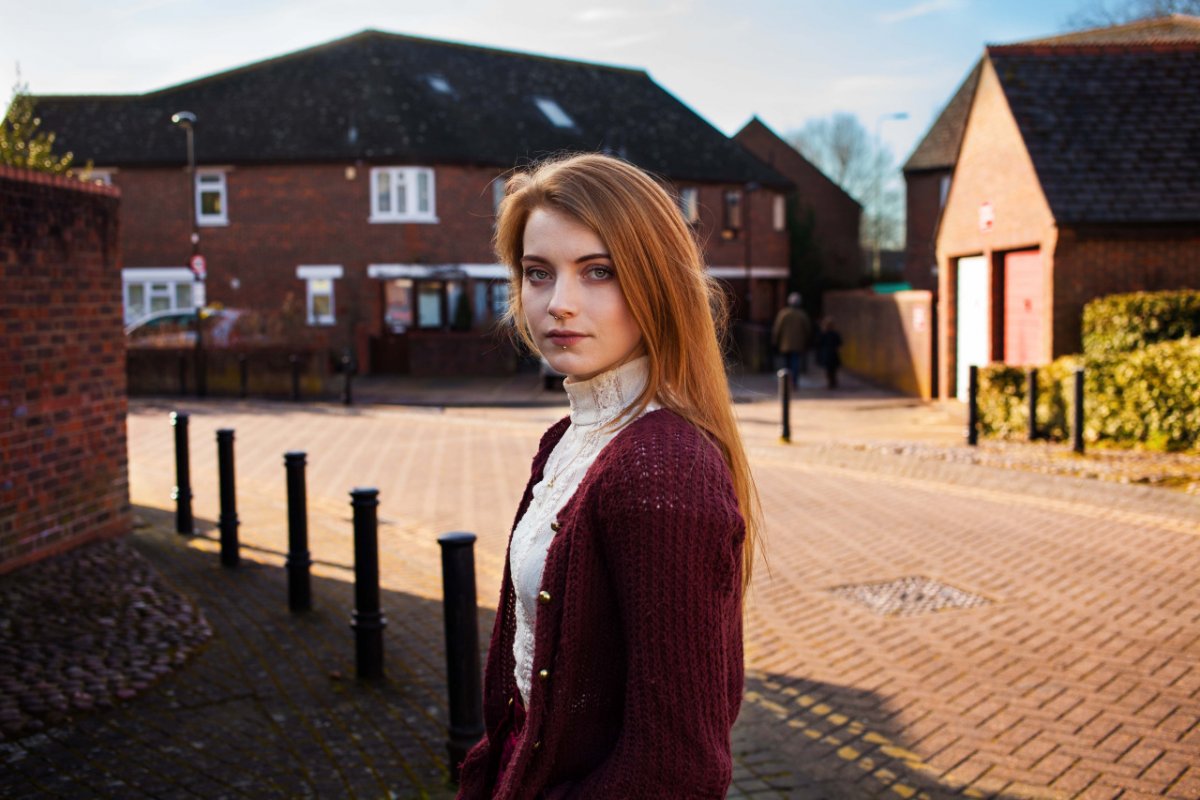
(779,212)
(211,197)
(733,212)
(689,204)
(402,194)
(554,112)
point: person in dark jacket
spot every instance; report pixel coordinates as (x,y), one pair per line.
(829,343)
(615,665)
(791,335)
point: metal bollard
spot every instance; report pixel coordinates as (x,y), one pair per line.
(183,371)
(295,361)
(973,405)
(298,558)
(367,620)
(785,402)
(243,376)
(1031,391)
(462,645)
(182,493)
(228,521)
(1077,413)
(348,375)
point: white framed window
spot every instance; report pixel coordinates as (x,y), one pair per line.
(689,204)
(102,175)
(402,194)
(211,197)
(147,290)
(779,212)
(319,298)
(553,112)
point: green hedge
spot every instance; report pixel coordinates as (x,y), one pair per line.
(1124,323)
(1149,398)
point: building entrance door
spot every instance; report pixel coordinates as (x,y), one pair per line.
(972,320)
(1024,307)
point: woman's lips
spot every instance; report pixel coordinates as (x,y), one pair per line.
(565,338)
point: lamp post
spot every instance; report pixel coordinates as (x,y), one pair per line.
(187,121)
(751,187)
(875,259)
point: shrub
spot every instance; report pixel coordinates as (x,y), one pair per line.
(1123,323)
(1148,398)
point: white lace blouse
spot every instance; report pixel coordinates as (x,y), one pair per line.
(594,403)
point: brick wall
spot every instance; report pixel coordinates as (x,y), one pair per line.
(283,216)
(1094,261)
(63,473)
(923,193)
(887,338)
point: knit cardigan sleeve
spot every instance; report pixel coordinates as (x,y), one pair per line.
(672,543)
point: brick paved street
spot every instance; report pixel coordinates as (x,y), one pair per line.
(1078,676)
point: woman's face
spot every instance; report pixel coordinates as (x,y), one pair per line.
(572,297)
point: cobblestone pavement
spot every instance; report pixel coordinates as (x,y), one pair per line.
(1075,674)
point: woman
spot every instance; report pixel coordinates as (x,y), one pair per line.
(615,665)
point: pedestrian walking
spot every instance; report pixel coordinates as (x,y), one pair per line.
(615,665)
(829,344)
(791,336)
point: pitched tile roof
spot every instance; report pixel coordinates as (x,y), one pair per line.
(939,148)
(1113,131)
(384,97)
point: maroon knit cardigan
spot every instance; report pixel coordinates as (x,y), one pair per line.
(640,637)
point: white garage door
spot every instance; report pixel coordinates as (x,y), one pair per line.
(972,318)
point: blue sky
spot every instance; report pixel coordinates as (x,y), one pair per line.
(786,61)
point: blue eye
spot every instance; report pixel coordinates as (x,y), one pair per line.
(536,274)
(601,272)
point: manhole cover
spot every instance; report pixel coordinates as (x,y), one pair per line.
(905,597)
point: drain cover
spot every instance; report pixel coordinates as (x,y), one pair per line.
(905,597)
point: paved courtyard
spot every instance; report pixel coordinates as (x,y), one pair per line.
(1066,663)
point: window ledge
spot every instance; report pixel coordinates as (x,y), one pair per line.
(212,223)
(377,220)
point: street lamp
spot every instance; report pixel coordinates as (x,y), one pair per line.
(187,121)
(875,265)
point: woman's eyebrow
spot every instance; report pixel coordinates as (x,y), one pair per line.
(591,257)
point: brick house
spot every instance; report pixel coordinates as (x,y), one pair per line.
(356,182)
(1076,177)
(826,217)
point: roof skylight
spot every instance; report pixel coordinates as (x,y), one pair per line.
(554,112)
(439,84)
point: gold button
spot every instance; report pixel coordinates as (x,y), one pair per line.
(510,701)
(554,526)
(543,597)
(544,674)
(537,744)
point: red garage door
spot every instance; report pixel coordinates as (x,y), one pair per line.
(1024,307)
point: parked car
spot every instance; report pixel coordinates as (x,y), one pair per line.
(177,328)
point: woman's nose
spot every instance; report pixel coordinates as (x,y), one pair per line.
(563,301)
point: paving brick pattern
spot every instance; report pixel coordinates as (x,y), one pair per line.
(1080,679)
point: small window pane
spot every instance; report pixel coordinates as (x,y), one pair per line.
(210,203)
(398,315)
(499,298)
(183,294)
(689,204)
(780,212)
(135,301)
(429,304)
(159,303)
(383,192)
(401,194)
(479,291)
(423,192)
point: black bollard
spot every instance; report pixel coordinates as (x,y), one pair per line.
(973,405)
(462,645)
(298,559)
(243,376)
(295,361)
(367,620)
(1077,413)
(1031,391)
(183,371)
(348,375)
(182,493)
(785,402)
(228,521)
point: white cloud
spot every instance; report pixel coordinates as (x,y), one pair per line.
(919,9)
(602,14)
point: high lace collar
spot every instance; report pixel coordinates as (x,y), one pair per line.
(602,398)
